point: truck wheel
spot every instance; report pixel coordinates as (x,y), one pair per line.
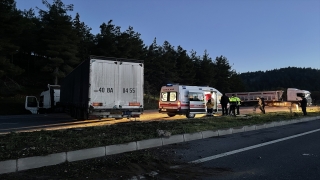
(171,114)
(190,115)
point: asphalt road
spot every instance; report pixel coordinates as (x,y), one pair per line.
(274,153)
(30,122)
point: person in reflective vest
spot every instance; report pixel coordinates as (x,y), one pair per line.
(238,104)
(233,104)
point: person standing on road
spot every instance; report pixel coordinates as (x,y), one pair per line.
(303,103)
(224,104)
(233,104)
(209,107)
(261,105)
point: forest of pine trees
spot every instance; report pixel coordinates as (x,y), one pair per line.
(40,47)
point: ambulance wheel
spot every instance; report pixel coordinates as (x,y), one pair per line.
(171,114)
(190,115)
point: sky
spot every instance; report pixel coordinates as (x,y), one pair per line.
(254,35)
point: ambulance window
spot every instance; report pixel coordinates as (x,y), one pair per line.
(194,96)
(173,96)
(164,96)
(168,96)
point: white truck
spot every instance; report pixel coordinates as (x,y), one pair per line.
(187,100)
(99,87)
(103,87)
(49,101)
(274,98)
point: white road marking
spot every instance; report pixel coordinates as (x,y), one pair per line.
(250,147)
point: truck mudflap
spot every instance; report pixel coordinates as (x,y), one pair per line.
(115,113)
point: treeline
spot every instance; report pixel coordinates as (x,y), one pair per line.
(43,47)
(283,78)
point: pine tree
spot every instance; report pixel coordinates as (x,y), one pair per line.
(106,44)
(185,67)
(86,43)
(10,30)
(59,39)
(223,72)
(205,70)
(130,45)
(29,43)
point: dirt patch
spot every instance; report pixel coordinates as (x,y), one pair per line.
(155,163)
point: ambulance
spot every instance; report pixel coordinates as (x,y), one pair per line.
(186,100)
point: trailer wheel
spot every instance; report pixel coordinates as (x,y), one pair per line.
(76,113)
(73,112)
(80,114)
(85,115)
(190,115)
(171,114)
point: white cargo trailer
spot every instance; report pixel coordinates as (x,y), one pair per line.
(104,87)
(274,98)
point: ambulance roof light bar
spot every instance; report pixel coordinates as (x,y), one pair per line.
(169,84)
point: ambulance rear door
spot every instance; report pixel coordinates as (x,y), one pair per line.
(169,102)
(197,102)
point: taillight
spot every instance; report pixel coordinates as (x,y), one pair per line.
(97,104)
(134,103)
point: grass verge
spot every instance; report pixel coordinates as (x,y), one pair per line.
(27,144)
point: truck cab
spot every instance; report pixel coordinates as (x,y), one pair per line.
(49,101)
(295,95)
